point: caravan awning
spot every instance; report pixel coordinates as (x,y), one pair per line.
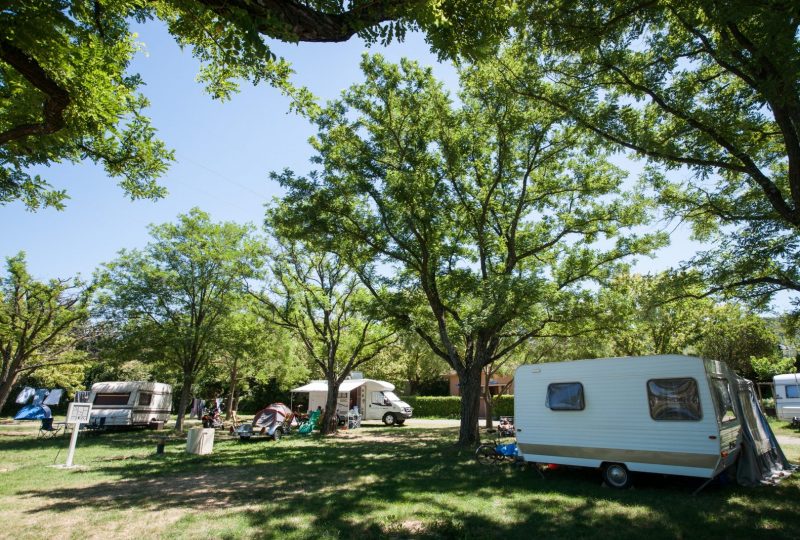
(347,386)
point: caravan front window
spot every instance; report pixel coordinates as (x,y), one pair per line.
(792,391)
(722,395)
(565,397)
(674,399)
(145,398)
(111,399)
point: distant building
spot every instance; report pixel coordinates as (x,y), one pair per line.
(497,385)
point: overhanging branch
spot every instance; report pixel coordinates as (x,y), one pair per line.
(56,101)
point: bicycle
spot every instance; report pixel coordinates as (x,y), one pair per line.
(496,453)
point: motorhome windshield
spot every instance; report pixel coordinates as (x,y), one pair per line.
(391,396)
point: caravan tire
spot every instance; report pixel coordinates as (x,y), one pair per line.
(389,419)
(616,475)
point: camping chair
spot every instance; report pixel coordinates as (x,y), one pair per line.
(308,426)
(48,430)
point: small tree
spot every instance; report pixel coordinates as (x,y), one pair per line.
(315,296)
(170,299)
(39,323)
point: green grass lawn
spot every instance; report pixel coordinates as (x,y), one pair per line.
(376,482)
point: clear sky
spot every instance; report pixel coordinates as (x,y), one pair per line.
(224,152)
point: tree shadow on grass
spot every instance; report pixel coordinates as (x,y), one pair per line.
(414,483)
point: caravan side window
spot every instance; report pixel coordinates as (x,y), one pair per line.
(565,396)
(145,398)
(674,399)
(792,391)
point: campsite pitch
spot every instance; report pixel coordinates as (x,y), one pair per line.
(375,482)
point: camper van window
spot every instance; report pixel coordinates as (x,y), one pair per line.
(722,397)
(565,396)
(112,399)
(674,399)
(792,391)
(378,399)
(145,398)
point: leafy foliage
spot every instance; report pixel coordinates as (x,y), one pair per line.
(40,326)
(473,225)
(169,301)
(316,297)
(698,87)
(767,367)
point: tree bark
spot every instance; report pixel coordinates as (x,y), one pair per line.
(5,388)
(329,420)
(487,399)
(186,393)
(232,394)
(470,384)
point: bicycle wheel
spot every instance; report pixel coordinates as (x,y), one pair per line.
(486,454)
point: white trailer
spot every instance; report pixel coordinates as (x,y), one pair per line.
(129,403)
(658,414)
(375,400)
(787,397)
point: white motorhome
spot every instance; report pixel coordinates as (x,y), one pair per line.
(659,414)
(129,403)
(787,396)
(375,400)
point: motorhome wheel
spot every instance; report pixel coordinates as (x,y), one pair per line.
(616,475)
(389,419)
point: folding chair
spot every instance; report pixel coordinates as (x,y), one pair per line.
(47,430)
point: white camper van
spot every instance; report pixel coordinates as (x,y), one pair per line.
(129,403)
(660,414)
(787,397)
(375,400)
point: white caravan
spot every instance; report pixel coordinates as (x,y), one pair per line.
(659,414)
(787,397)
(375,400)
(129,403)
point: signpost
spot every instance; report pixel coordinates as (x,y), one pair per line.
(77,414)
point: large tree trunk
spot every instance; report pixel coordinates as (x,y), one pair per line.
(329,420)
(232,394)
(470,384)
(186,394)
(5,389)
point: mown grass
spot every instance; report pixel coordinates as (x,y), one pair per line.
(374,482)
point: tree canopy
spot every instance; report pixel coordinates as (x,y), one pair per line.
(315,296)
(39,323)
(709,92)
(66,93)
(169,300)
(473,224)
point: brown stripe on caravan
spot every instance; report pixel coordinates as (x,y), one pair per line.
(618,455)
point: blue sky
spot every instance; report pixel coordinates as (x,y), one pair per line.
(224,153)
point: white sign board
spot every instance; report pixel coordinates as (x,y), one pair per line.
(79,413)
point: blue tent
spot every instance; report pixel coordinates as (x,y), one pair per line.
(34,412)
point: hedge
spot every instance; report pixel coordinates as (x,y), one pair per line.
(450,406)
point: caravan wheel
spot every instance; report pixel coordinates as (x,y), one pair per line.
(616,475)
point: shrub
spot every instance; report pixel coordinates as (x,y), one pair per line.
(435,406)
(450,406)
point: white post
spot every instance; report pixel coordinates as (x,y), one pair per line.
(72,441)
